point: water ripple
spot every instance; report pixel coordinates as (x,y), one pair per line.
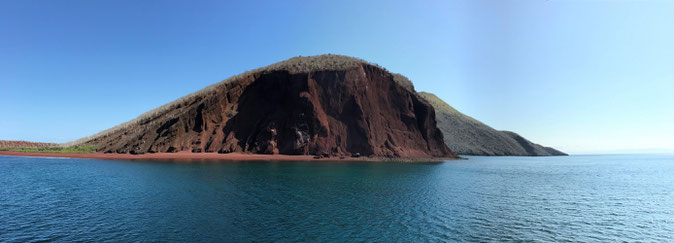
(576,198)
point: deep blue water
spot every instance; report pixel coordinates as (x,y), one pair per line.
(575,198)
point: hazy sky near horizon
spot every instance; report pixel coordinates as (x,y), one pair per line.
(580,76)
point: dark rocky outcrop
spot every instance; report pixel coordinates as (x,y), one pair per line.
(323,105)
(467,136)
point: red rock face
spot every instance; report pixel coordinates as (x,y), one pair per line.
(330,113)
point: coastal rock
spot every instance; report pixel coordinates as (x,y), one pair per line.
(328,106)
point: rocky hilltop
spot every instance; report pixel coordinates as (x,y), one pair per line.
(326,105)
(467,136)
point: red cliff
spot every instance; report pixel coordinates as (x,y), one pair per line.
(325,105)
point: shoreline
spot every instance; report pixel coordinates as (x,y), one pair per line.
(186,156)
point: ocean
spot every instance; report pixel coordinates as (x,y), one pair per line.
(572,198)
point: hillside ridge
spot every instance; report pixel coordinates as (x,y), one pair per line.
(293,65)
(327,105)
(468,136)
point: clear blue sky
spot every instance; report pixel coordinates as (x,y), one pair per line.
(581,76)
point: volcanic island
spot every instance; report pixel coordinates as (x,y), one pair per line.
(326,107)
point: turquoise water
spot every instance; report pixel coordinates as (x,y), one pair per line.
(575,198)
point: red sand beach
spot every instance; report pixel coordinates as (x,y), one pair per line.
(189,156)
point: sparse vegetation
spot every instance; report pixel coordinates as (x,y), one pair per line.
(27,144)
(468,136)
(302,64)
(404,81)
(77,149)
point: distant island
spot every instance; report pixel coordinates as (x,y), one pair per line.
(317,107)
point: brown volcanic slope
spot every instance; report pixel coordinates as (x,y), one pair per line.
(467,136)
(327,105)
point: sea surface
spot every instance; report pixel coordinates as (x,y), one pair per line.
(575,198)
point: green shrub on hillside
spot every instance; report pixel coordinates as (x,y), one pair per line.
(77,149)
